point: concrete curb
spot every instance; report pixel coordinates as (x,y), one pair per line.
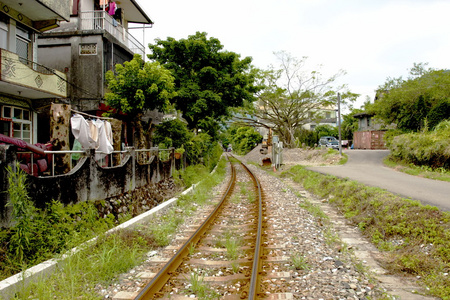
(15,283)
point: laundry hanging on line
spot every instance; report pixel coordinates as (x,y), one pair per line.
(92,134)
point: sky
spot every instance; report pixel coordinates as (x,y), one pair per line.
(371,40)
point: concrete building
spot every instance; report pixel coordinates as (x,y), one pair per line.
(26,82)
(91,42)
(322,116)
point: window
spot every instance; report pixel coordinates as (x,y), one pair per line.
(17,119)
(3,34)
(5,128)
(23,43)
(6,112)
(328,115)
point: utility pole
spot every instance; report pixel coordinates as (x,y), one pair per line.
(339,123)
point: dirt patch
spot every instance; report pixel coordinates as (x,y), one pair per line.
(297,156)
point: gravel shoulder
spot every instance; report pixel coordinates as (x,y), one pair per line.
(364,252)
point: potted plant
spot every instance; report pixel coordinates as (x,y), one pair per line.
(179,152)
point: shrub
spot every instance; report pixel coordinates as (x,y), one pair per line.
(430,149)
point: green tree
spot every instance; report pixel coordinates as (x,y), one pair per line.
(138,86)
(439,112)
(208,80)
(173,133)
(242,138)
(326,130)
(293,97)
(408,102)
(350,124)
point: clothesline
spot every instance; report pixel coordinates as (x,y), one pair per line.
(91,116)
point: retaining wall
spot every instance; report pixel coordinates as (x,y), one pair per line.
(86,181)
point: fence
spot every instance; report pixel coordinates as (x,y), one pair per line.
(101,20)
(89,179)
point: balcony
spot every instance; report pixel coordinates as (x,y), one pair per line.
(101,20)
(28,79)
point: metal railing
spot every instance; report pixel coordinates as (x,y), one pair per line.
(115,158)
(101,20)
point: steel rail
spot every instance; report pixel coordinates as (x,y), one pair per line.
(257,259)
(161,278)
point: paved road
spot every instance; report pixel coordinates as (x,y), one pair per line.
(366,166)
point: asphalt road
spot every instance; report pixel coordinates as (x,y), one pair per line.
(366,166)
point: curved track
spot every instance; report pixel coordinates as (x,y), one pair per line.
(225,250)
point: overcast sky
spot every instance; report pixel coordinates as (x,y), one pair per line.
(370,39)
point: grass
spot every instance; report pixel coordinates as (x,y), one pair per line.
(100,262)
(199,288)
(415,238)
(299,262)
(421,171)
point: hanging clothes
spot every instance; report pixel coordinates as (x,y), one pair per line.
(93,130)
(82,132)
(112,8)
(109,133)
(104,145)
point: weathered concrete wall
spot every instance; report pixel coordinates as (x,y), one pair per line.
(88,181)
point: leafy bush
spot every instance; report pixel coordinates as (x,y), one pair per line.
(201,149)
(173,133)
(326,130)
(305,136)
(428,148)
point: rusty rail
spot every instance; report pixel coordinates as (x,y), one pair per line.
(154,287)
(160,279)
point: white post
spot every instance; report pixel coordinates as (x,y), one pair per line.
(339,123)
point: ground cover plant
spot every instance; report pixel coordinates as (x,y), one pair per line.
(414,238)
(422,171)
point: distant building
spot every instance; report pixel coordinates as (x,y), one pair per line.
(322,116)
(369,134)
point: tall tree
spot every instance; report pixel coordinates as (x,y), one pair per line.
(408,102)
(208,80)
(138,86)
(293,97)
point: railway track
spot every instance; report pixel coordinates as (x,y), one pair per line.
(222,255)
(299,255)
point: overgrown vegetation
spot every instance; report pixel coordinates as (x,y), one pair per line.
(413,104)
(428,148)
(415,238)
(243,139)
(37,235)
(112,254)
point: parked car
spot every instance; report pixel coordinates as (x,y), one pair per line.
(323,141)
(329,142)
(333,144)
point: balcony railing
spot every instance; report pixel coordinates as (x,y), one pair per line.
(101,20)
(31,75)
